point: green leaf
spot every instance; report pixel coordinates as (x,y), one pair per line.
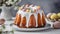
(12,31)
(0,31)
(12,0)
(3,26)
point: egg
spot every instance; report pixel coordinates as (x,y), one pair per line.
(28,10)
(56,24)
(58,15)
(38,7)
(2,21)
(54,16)
(48,15)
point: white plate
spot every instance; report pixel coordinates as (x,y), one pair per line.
(48,26)
(31,29)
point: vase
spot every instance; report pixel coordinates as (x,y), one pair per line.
(6,13)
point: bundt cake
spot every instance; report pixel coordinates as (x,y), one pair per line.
(30,16)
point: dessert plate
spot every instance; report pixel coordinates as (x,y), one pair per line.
(48,26)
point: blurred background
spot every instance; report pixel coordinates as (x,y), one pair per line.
(47,5)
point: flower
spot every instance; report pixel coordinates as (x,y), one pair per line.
(8,2)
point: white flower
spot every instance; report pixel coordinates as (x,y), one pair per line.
(8,2)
